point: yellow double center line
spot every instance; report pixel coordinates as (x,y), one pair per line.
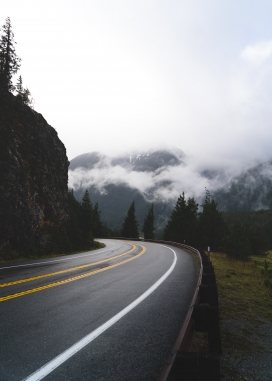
(68,280)
(19,281)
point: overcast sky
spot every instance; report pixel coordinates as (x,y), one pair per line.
(117,75)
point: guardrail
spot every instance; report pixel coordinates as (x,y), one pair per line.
(202,316)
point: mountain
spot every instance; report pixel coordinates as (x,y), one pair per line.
(140,162)
(251,190)
(86,160)
(160,176)
(115,182)
(33,179)
(149,162)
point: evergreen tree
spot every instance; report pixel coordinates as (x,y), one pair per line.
(23,93)
(259,243)
(86,220)
(9,61)
(98,230)
(74,230)
(238,245)
(175,228)
(212,227)
(19,87)
(130,224)
(181,226)
(84,223)
(191,218)
(148,227)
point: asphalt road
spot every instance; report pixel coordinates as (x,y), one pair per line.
(110,314)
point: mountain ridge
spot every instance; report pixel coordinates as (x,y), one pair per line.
(159,177)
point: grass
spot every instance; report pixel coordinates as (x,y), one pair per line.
(20,258)
(241,288)
(245,307)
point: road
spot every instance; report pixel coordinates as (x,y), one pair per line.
(110,314)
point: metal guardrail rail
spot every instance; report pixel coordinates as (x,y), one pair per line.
(202,316)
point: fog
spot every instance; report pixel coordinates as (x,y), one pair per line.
(115,75)
(163,184)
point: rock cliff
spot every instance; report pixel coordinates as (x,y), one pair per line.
(33,179)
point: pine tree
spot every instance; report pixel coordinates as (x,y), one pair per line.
(23,93)
(130,224)
(86,220)
(74,230)
(148,227)
(238,245)
(175,228)
(191,218)
(181,226)
(259,243)
(9,61)
(19,87)
(212,227)
(98,226)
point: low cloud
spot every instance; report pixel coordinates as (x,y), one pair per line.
(164,184)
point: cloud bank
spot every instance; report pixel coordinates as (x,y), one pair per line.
(163,184)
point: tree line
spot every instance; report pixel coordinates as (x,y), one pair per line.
(200,229)
(237,234)
(185,224)
(130,224)
(10,64)
(249,232)
(85,223)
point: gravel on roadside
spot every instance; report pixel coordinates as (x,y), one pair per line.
(252,360)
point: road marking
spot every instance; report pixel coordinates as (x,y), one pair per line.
(60,359)
(19,281)
(57,260)
(68,280)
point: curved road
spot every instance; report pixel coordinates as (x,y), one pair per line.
(110,314)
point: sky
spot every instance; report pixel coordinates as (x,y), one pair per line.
(120,75)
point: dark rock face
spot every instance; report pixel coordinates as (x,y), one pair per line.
(33,178)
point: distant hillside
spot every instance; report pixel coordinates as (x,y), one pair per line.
(149,162)
(140,162)
(160,176)
(250,191)
(119,188)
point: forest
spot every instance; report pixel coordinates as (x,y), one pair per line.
(239,234)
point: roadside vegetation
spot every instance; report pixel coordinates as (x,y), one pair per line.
(245,308)
(83,225)
(240,253)
(245,305)
(18,257)
(10,64)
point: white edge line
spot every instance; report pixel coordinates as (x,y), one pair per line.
(60,359)
(58,260)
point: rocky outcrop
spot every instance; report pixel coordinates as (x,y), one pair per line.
(33,179)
